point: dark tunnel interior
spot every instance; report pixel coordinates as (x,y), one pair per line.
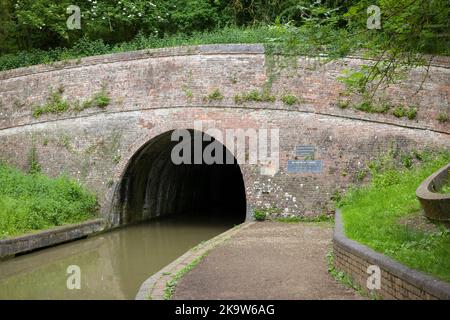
(153,186)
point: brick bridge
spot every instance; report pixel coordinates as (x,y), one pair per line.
(122,151)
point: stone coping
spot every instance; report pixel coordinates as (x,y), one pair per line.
(427,283)
(207,49)
(135,55)
(153,288)
(436,205)
(11,246)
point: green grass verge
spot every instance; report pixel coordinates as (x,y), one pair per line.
(445,188)
(170,285)
(30,202)
(372,215)
(345,279)
(313,219)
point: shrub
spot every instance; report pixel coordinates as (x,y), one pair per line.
(259,215)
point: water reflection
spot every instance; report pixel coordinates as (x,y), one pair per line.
(113,265)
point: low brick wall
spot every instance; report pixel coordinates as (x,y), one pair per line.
(397,280)
(51,237)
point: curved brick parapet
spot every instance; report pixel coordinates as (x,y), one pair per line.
(155,91)
(397,280)
(436,205)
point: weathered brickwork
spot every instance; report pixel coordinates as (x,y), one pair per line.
(156,91)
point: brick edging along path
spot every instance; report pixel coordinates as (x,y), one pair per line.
(51,237)
(153,288)
(397,280)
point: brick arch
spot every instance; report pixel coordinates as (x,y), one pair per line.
(149,185)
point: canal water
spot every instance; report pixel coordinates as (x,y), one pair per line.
(113,265)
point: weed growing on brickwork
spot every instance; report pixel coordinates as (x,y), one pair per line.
(399,112)
(33,161)
(255,95)
(56,104)
(289,99)
(372,213)
(215,95)
(442,117)
(361,174)
(343,104)
(259,215)
(345,279)
(368,106)
(64,140)
(33,201)
(188,92)
(381,107)
(411,113)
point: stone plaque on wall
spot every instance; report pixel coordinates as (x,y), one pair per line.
(305,151)
(304,166)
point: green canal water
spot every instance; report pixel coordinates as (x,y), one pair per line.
(113,265)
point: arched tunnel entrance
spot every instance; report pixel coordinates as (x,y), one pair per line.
(154,186)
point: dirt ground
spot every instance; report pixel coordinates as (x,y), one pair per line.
(268,260)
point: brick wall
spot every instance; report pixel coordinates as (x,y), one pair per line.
(154,91)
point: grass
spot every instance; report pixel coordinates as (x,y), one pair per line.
(170,285)
(296,219)
(33,201)
(372,214)
(445,188)
(345,279)
(85,48)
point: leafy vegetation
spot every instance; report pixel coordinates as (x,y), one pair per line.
(35,31)
(295,219)
(170,285)
(442,117)
(289,99)
(373,214)
(215,95)
(57,104)
(260,215)
(345,279)
(254,95)
(33,201)
(445,188)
